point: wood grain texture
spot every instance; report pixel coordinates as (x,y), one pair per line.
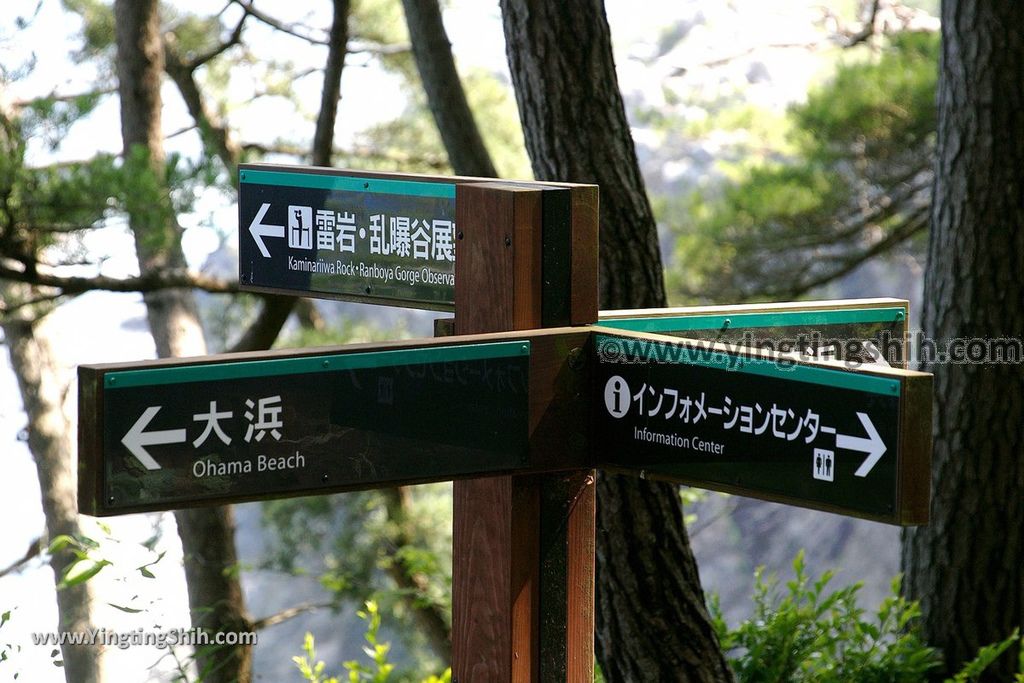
(516,538)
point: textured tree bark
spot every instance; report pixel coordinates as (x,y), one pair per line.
(652,623)
(965,566)
(323,136)
(207,534)
(51,440)
(433,54)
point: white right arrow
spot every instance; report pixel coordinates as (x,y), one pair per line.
(137,439)
(258,229)
(873,445)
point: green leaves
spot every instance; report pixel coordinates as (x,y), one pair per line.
(379,669)
(851,182)
(806,633)
(81,571)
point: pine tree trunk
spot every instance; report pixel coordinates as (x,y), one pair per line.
(965,566)
(51,440)
(445,95)
(207,534)
(652,623)
(330,93)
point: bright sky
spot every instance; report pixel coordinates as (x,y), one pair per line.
(93,328)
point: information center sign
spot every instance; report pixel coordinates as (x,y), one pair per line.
(815,434)
(162,434)
(330,234)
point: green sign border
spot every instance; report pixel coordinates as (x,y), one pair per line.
(319,181)
(313,364)
(747,363)
(674,323)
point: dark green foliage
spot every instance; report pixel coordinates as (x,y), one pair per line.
(855,184)
(807,633)
(884,108)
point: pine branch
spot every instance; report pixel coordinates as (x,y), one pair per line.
(289,613)
(171,278)
(290,29)
(35,549)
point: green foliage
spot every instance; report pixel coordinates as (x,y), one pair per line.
(986,656)
(364,538)
(850,182)
(84,565)
(884,107)
(377,670)
(809,633)
(98,31)
(7,649)
(50,118)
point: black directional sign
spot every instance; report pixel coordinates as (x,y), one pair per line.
(815,434)
(159,435)
(331,234)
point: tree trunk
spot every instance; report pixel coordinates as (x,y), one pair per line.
(51,440)
(323,137)
(965,566)
(447,99)
(207,534)
(652,623)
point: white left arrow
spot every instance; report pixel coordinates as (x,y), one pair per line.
(137,438)
(872,445)
(258,229)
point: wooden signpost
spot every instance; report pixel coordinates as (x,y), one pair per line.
(530,392)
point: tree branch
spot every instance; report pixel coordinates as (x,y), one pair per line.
(289,613)
(171,278)
(426,612)
(868,29)
(262,332)
(915,223)
(250,10)
(214,133)
(35,549)
(213,53)
(54,97)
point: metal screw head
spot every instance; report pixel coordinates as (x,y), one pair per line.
(508,241)
(459,235)
(324,479)
(367,290)
(576,359)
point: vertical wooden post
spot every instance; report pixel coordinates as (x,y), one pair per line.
(523,570)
